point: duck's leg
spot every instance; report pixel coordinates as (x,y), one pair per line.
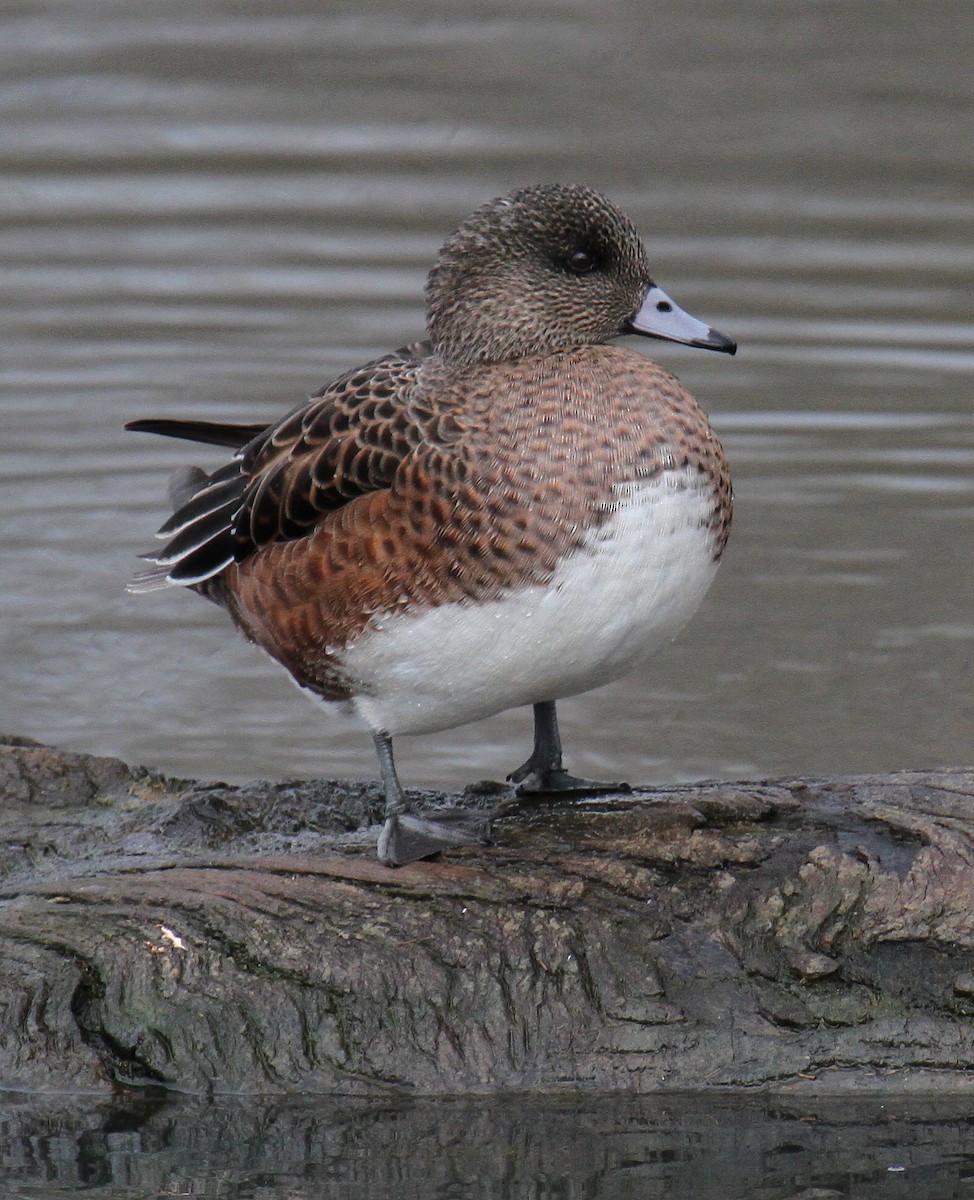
(407,836)
(543,771)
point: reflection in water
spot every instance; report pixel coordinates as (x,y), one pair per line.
(608,1148)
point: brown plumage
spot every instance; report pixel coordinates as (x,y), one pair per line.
(433,497)
(455,474)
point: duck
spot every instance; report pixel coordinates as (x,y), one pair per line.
(513,511)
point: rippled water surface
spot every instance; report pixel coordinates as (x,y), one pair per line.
(573,1148)
(213,209)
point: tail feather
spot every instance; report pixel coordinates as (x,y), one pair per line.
(151,580)
(212,433)
(184,483)
(210,528)
(192,493)
(199,535)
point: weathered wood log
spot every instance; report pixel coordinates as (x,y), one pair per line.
(808,934)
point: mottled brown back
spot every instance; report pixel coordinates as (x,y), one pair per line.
(417,484)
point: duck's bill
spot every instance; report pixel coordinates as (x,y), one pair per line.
(659,317)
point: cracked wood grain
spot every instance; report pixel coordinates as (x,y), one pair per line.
(810,935)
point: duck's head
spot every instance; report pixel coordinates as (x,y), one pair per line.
(549,268)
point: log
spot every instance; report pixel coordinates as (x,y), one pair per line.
(808,936)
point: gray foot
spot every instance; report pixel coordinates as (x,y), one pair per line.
(407,837)
(532,781)
(543,773)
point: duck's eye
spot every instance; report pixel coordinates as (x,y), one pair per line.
(581,262)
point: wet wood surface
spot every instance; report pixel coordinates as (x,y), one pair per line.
(803,935)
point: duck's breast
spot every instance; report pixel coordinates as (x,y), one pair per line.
(611,603)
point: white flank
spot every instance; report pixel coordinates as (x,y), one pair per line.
(609,607)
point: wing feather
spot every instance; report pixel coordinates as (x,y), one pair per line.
(346,441)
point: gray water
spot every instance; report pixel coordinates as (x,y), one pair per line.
(211,209)
(575,1148)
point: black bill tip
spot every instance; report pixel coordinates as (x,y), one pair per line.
(716,341)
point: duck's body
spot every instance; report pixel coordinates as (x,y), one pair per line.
(475,524)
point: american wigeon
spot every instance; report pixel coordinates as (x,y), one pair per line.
(509,513)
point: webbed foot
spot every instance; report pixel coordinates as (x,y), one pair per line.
(531,781)
(407,837)
(543,772)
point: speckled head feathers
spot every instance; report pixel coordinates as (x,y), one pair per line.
(545,268)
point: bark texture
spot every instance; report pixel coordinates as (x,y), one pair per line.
(807,934)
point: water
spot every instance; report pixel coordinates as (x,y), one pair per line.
(212,210)
(569,1149)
